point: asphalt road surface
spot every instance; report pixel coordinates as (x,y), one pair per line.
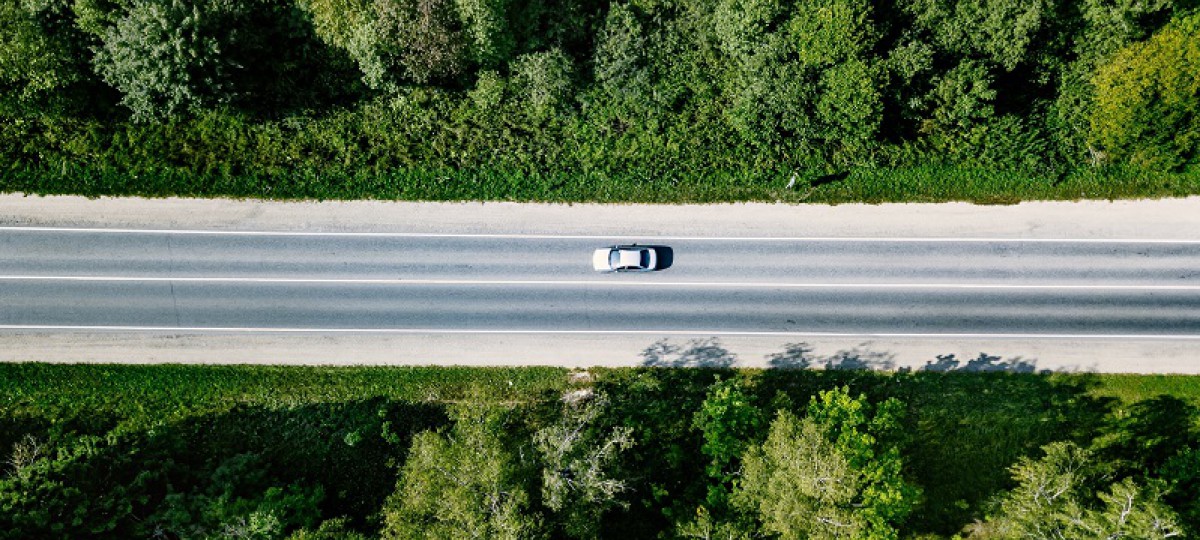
(204,281)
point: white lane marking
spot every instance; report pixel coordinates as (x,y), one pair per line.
(602,237)
(205,329)
(602,283)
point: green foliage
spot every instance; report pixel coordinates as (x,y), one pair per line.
(1000,31)
(1052,500)
(850,104)
(466,483)
(543,82)
(620,58)
(579,464)
(165,56)
(828,32)
(641,101)
(729,422)
(962,97)
(832,474)
(40,58)
(104,451)
(1147,108)
(232,505)
(486,27)
(423,36)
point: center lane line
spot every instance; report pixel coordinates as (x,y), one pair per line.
(667,332)
(602,283)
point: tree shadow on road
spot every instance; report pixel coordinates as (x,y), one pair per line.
(705,353)
(800,356)
(984,363)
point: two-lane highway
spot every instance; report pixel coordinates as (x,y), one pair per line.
(59,279)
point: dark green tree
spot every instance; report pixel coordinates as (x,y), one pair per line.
(166,57)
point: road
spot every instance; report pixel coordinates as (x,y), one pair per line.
(130,281)
(1064,286)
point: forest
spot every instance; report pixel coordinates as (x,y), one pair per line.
(581,100)
(970,449)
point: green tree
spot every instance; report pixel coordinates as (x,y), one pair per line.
(237,502)
(421,38)
(730,423)
(836,473)
(43,58)
(620,57)
(795,74)
(1004,32)
(579,460)
(543,82)
(166,56)
(464,483)
(1105,27)
(961,98)
(1055,498)
(489,37)
(1147,104)
(1182,475)
(395,41)
(850,106)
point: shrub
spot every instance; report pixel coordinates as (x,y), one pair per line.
(1148,99)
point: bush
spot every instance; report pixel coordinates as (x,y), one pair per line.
(1148,99)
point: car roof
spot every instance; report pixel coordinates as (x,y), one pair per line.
(631,258)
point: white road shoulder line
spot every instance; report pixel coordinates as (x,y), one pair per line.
(603,283)
(218,232)
(269,330)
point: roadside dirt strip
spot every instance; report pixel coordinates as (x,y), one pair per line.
(1099,253)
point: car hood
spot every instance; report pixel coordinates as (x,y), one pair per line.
(600,259)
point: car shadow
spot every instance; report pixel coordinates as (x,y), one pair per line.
(665,257)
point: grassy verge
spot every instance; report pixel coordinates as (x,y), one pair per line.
(934,183)
(323,426)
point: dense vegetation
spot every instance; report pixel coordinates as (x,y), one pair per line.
(350,453)
(634,100)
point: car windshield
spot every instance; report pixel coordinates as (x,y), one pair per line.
(645,259)
(614,258)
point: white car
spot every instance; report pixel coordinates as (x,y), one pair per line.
(632,258)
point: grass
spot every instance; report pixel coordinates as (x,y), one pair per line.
(102,396)
(966,429)
(933,183)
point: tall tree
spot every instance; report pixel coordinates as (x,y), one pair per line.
(1055,498)
(580,480)
(466,482)
(1147,108)
(166,56)
(835,473)
(43,57)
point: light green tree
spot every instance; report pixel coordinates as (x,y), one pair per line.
(579,465)
(542,81)
(466,482)
(1147,104)
(1054,499)
(831,474)
(730,423)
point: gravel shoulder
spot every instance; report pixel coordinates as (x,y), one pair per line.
(1147,219)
